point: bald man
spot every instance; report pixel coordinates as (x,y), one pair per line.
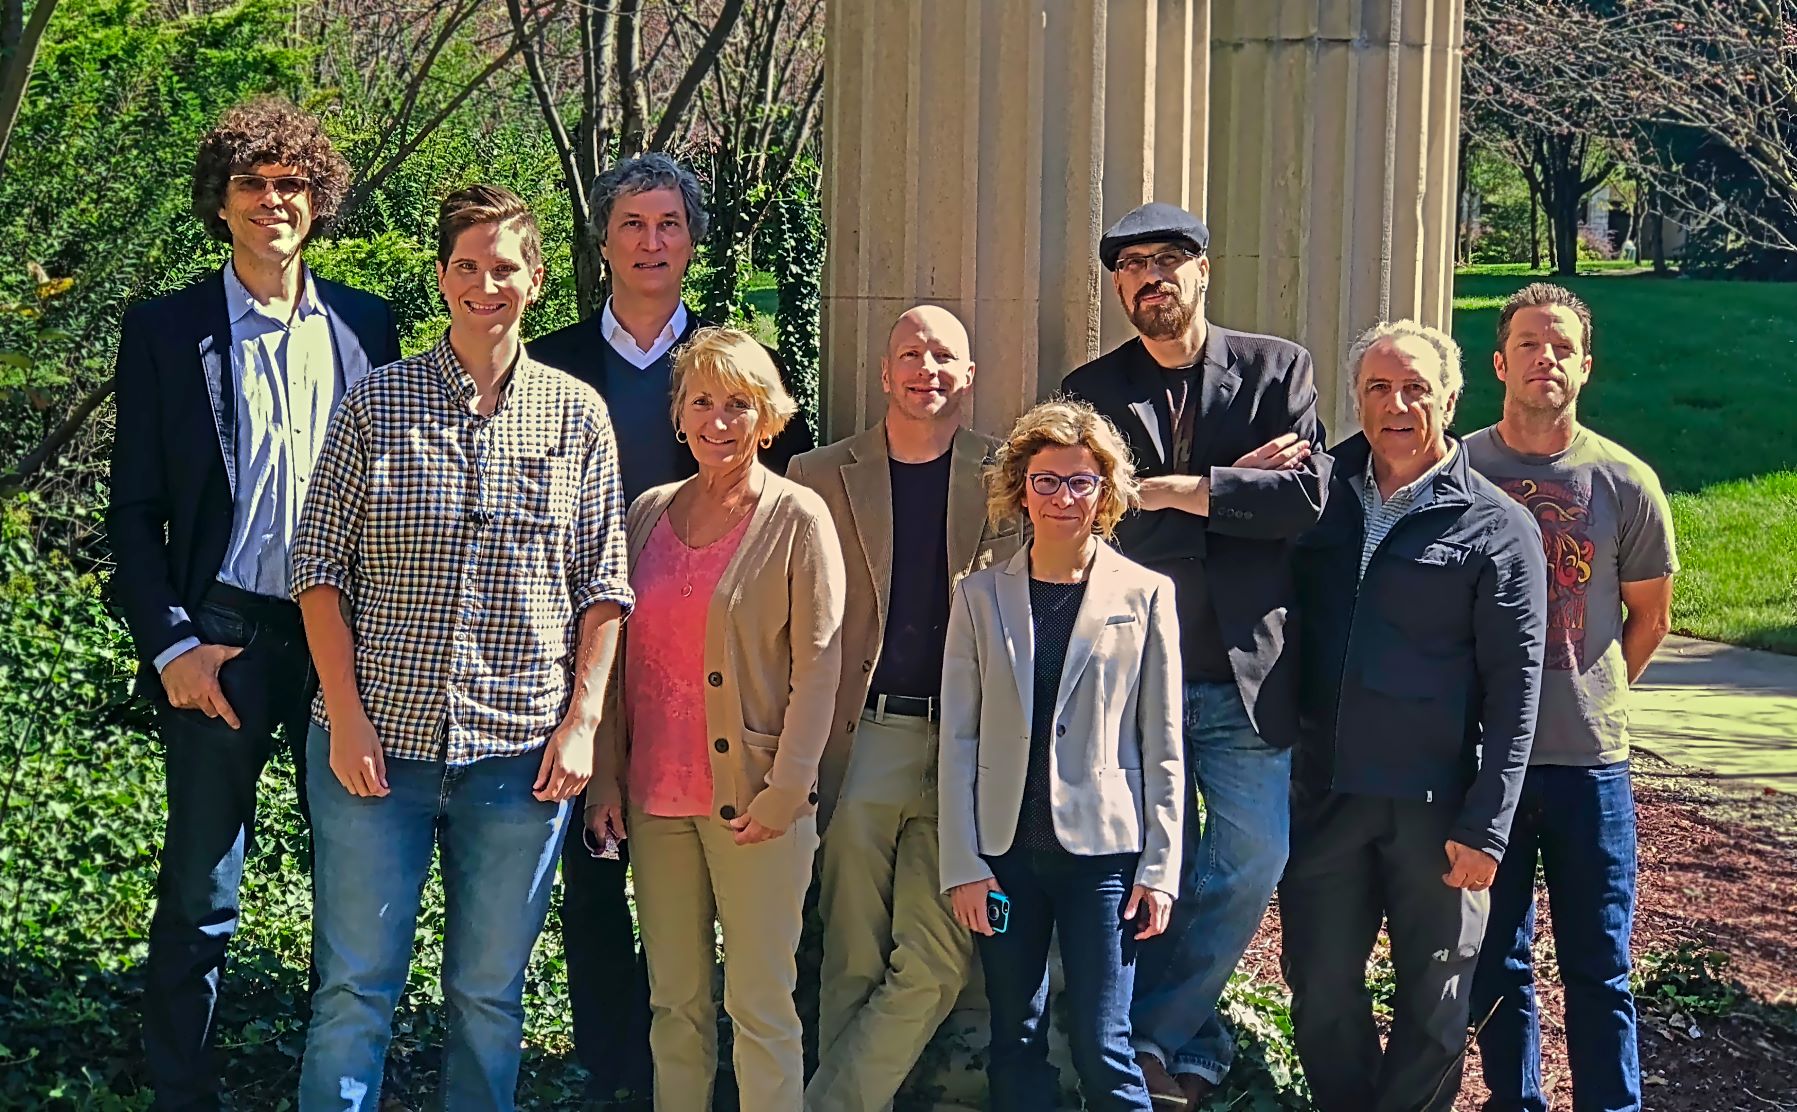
(911,513)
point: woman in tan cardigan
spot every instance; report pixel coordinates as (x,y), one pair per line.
(708,753)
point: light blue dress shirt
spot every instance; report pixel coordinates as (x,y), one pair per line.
(286,384)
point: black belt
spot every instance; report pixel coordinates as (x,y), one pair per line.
(252,605)
(910,706)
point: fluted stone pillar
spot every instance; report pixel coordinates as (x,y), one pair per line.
(1334,128)
(974,150)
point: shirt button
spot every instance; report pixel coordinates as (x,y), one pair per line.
(722,745)
(726,812)
(716,679)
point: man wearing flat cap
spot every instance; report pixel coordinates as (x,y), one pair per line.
(1224,429)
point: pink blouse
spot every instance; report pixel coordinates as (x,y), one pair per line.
(664,670)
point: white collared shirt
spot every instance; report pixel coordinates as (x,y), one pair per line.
(625,345)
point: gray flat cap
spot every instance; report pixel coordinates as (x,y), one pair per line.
(1152,223)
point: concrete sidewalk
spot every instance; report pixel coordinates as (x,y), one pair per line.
(1724,709)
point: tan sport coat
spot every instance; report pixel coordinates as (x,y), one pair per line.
(1117,781)
(854,478)
(772,651)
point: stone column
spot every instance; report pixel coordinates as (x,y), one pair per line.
(974,150)
(1333,136)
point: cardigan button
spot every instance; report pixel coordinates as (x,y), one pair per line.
(716,679)
(722,745)
(867,665)
(813,798)
(726,812)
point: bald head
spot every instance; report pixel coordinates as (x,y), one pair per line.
(928,366)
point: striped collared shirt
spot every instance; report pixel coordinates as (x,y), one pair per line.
(1384,513)
(466,548)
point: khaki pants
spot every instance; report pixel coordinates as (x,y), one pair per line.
(895,960)
(690,872)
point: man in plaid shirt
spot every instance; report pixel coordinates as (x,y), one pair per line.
(461,567)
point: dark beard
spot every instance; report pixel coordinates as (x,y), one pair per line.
(1166,321)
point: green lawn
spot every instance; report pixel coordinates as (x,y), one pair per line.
(1699,379)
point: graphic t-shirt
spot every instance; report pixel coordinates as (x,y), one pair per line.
(1604,522)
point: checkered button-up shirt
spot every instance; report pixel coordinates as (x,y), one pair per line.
(466,548)
(1384,513)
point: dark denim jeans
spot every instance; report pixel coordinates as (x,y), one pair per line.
(499,846)
(1081,898)
(1235,849)
(212,773)
(1580,824)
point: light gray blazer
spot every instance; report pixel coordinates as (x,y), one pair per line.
(1117,781)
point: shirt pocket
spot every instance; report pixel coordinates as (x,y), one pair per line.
(539,493)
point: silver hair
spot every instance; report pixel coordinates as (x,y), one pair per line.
(1452,382)
(639,175)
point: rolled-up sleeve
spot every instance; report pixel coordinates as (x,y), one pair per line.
(819,588)
(329,532)
(601,560)
(1510,633)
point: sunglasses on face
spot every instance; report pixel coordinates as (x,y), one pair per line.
(1165,262)
(284,185)
(1048,484)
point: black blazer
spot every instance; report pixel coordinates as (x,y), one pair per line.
(1254,388)
(578,350)
(174,455)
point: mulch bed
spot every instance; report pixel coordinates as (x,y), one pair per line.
(1718,875)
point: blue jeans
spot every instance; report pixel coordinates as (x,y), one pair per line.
(1234,852)
(499,847)
(1580,823)
(1083,899)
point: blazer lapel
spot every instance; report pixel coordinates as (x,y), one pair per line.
(1150,406)
(215,366)
(1020,634)
(352,359)
(1100,602)
(868,483)
(966,502)
(1220,381)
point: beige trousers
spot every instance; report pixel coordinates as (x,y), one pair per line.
(895,960)
(689,874)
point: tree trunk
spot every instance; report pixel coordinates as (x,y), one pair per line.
(1534,229)
(15,71)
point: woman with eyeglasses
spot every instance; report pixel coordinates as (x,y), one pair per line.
(1062,779)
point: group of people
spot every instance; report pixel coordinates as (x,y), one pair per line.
(1114,677)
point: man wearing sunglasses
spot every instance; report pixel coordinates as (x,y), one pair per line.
(910,511)
(224,391)
(1225,434)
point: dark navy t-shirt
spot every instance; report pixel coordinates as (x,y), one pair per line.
(917,608)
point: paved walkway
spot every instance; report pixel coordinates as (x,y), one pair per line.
(1729,710)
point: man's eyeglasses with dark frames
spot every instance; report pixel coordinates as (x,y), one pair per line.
(1082,485)
(1165,262)
(285,185)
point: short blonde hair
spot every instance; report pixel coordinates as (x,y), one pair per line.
(735,362)
(1063,423)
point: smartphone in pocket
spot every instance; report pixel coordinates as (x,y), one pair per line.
(998,911)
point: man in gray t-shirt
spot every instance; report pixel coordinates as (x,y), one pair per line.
(1607,529)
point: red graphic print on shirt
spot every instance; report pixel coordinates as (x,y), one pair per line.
(1563,510)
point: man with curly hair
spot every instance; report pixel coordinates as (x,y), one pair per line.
(224,391)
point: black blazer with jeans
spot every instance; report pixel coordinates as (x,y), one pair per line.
(1254,388)
(174,456)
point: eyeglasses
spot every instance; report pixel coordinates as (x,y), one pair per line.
(285,185)
(1048,484)
(1164,261)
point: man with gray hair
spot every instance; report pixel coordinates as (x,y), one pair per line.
(1423,592)
(648,215)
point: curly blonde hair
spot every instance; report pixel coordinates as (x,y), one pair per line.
(1062,423)
(734,361)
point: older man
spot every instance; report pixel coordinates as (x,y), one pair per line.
(911,512)
(1423,593)
(648,214)
(1223,425)
(1608,534)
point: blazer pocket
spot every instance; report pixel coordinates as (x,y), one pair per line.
(1120,619)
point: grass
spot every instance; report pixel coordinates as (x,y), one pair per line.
(1698,378)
